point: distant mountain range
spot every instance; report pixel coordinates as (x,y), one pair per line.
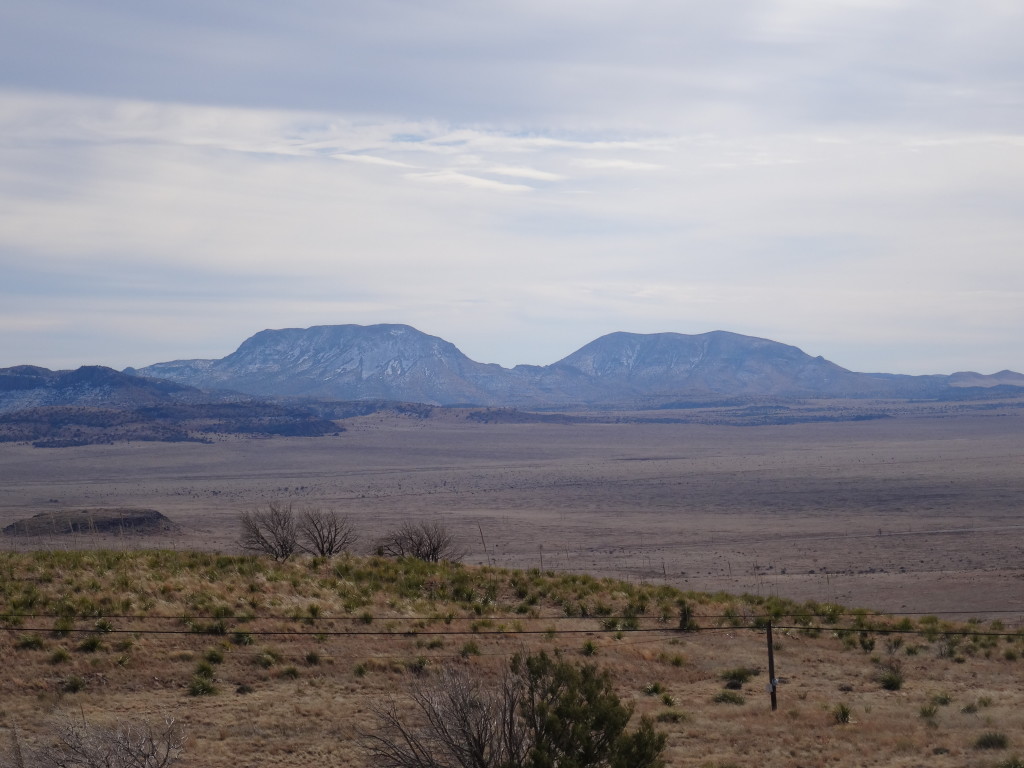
(620,370)
(29,386)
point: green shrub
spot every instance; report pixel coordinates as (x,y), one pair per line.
(841,714)
(73,684)
(738,675)
(729,697)
(90,644)
(201,686)
(891,675)
(29,643)
(991,740)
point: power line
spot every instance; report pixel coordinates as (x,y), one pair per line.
(551,631)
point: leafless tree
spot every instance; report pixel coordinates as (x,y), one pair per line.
(270,530)
(325,532)
(432,541)
(78,743)
(459,723)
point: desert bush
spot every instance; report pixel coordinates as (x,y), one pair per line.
(543,712)
(991,740)
(30,643)
(201,686)
(687,622)
(90,644)
(73,684)
(729,697)
(737,676)
(841,714)
(79,743)
(271,530)
(431,541)
(890,677)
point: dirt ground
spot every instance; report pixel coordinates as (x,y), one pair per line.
(919,514)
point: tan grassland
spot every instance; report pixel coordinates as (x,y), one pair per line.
(919,514)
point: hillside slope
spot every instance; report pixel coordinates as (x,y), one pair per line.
(268,663)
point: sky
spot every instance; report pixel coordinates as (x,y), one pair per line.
(518,178)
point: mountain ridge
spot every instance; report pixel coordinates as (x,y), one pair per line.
(619,369)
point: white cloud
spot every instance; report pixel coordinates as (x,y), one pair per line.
(467,180)
(525,173)
(618,164)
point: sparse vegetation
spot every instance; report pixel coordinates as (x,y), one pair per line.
(409,605)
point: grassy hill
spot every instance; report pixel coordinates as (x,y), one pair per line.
(270,663)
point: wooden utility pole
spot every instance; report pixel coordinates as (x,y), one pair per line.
(772,682)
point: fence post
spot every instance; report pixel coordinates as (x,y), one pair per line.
(772,682)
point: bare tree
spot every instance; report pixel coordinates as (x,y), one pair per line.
(270,530)
(78,743)
(459,723)
(324,532)
(432,541)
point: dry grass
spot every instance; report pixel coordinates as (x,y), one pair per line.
(296,654)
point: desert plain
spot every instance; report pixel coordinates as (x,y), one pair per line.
(918,512)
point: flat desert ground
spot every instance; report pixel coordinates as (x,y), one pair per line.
(922,513)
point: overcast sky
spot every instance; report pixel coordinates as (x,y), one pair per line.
(518,178)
